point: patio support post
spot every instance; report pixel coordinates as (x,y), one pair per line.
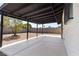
(37,31)
(62,24)
(27,30)
(42,28)
(61,31)
(1,29)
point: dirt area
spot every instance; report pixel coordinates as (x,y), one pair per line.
(23,36)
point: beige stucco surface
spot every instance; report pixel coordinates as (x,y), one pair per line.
(71,33)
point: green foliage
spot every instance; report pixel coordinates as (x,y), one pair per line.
(15,25)
(29,26)
(5,21)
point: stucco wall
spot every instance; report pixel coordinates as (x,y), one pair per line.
(45,30)
(71,33)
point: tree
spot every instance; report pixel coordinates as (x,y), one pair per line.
(5,21)
(15,25)
(18,26)
(29,26)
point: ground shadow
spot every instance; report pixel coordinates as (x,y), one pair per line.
(2,54)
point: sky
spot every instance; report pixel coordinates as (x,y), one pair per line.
(53,25)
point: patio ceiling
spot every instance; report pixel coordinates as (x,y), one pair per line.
(40,13)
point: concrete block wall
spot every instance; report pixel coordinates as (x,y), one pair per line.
(71,33)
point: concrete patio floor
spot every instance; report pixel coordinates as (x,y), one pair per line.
(41,46)
(23,36)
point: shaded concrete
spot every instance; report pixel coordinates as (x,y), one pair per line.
(41,46)
(2,54)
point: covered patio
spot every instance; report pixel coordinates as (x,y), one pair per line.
(41,46)
(39,13)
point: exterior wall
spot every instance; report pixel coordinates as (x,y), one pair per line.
(45,30)
(71,33)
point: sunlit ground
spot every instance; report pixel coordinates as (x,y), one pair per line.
(23,36)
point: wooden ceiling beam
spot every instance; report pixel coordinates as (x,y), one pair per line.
(47,18)
(44,13)
(20,8)
(51,15)
(35,12)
